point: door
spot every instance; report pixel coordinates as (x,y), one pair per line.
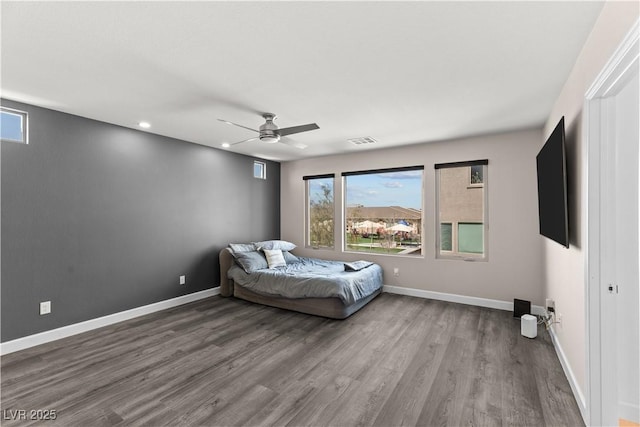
(613,272)
(623,224)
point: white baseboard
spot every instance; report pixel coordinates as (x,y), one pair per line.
(89,325)
(629,411)
(573,382)
(461,299)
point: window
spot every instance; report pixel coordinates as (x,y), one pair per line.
(462,209)
(470,239)
(476,175)
(320,211)
(446,234)
(259,170)
(13,125)
(383,211)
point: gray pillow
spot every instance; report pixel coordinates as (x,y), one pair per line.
(251,261)
(275,244)
(290,258)
(242,247)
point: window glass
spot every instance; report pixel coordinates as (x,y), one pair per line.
(320,212)
(383,211)
(462,209)
(259,170)
(470,239)
(13,125)
(477,174)
(446,236)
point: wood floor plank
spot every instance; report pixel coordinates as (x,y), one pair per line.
(291,400)
(362,405)
(241,409)
(554,395)
(410,395)
(323,402)
(483,404)
(445,401)
(227,362)
(521,400)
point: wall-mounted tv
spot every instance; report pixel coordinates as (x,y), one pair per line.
(552,187)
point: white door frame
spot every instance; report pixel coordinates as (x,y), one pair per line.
(600,304)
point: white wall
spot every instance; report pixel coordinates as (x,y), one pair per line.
(514,267)
(564,268)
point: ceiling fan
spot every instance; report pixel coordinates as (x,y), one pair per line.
(270,133)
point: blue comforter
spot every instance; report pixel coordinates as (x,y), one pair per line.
(311,278)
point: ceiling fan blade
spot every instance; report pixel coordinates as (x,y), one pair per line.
(298,129)
(235,124)
(291,143)
(246,140)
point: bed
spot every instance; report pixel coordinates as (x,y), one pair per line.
(332,289)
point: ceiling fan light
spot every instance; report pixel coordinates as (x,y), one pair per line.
(270,139)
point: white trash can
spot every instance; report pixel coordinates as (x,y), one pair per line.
(529,326)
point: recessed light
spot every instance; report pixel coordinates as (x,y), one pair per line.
(226,145)
(144,125)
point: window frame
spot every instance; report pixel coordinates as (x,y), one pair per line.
(453,254)
(24,115)
(307,210)
(344,207)
(263,169)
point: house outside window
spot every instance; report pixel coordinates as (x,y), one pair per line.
(462,210)
(320,211)
(383,211)
(446,236)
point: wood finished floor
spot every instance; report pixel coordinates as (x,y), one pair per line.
(223,361)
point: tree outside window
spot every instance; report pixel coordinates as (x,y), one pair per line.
(320,212)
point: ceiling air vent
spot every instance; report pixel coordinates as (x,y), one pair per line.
(362,141)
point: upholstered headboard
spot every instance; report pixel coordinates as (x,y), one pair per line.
(226,261)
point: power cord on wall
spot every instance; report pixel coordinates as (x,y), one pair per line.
(548,318)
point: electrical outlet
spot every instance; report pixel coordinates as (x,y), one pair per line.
(396,271)
(550,305)
(183,280)
(45,307)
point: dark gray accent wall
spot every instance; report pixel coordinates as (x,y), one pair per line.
(98,218)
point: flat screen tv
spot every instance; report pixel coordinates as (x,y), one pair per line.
(552,187)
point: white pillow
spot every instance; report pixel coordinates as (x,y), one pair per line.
(274,258)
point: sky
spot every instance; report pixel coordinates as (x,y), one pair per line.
(385,189)
(379,189)
(11,126)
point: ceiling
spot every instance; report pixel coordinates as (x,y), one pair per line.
(399,72)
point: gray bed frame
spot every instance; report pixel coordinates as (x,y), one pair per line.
(332,308)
